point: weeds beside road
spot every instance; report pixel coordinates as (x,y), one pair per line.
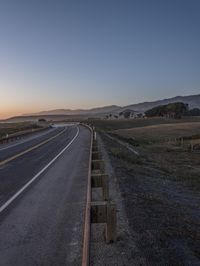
(160,192)
(163,215)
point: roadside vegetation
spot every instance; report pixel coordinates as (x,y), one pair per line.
(159,187)
(167,148)
(11,128)
(163,144)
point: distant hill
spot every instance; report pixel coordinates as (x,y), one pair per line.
(93,111)
(35,118)
(193,101)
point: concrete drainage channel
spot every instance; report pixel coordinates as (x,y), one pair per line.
(103,210)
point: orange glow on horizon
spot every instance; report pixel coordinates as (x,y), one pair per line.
(8,114)
(14,111)
(17,110)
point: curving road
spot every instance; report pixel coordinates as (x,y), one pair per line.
(42,199)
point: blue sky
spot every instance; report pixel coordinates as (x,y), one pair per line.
(81,54)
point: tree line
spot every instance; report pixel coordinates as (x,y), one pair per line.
(172,110)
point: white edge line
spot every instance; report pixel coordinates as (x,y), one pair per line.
(5,205)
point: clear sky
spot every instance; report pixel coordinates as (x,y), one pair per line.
(81,54)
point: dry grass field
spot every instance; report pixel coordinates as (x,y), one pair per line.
(109,125)
(162,132)
(162,147)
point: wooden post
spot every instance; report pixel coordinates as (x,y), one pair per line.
(96,156)
(95,142)
(95,148)
(98,212)
(101,181)
(111,225)
(98,165)
(105,187)
(102,211)
(105,212)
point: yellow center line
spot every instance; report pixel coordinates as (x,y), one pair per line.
(30,149)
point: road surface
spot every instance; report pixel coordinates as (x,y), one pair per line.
(42,199)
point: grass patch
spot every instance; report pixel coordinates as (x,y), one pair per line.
(164,151)
(122,155)
(161,133)
(115,124)
(136,142)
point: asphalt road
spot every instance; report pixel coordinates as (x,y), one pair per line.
(26,138)
(43,225)
(9,149)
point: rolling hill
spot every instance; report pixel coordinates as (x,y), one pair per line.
(192,100)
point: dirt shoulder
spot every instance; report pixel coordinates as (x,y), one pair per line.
(163,213)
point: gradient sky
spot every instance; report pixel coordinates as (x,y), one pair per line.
(81,54)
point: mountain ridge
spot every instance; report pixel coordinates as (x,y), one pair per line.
(192,100)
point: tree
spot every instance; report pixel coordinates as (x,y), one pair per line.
(42,120)
(127,114)
(140,115)
(172,110)
(194,112)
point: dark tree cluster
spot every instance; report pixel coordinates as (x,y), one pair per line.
(126,113)
(172,110)
(42,120)
(194,112)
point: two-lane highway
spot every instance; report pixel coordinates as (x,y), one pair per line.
(11,149)
(42,200)
(26,138)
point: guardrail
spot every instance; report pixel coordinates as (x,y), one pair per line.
(103,211)
(86,236)
(19,135)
